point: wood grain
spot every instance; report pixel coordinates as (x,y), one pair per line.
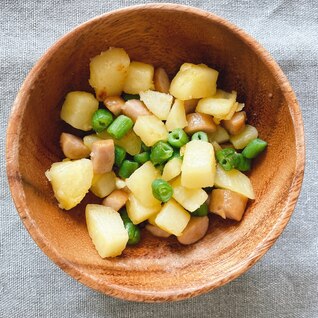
(158,269)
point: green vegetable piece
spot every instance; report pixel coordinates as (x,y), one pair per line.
(132,229)
(227,158)
(200,135)
(127,168)
(142,157)
(162,190)
(120,127)
(201,211)
(254,148)
(160,152)
(145,148)
(242,163)
(176,154)
(126,96)
(101,119)
(160,167)
(178,138)
(120,155)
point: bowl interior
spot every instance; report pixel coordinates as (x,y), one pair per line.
(157,269)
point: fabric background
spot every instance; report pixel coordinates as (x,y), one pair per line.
(282,284)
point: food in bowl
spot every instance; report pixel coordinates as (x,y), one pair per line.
(163,154)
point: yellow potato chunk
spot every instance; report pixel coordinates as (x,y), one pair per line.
(106,229)
(220,135)
(89,140)
(194,81)
(78,109)
(177,116)
(172,218)
(137,212)
(198,166)
(241,140)
(139,78)
(172,169)
(70,181)
(234,180)
(139,183)
(108,72)
(103,184)
(190,199)
(150,129)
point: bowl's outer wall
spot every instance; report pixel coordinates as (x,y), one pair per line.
(167,36)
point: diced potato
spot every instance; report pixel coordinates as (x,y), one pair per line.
(70,181)
(158,103)
(198,166)
(78,109)
(234,180)
(103,184)
(89,140)
(241,140)
(195,230)
(194,81)
(190,199)
(120,183)
(150,129)
(172,169)
(240,106)
(216,146)
(157,231)
(116,200)
(139,78)
(108,72)
(139,183)
(172,218)
(177,116)
(152,219)
(137,212)
(220,135)
(106,229)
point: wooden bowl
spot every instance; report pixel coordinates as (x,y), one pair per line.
(157,269)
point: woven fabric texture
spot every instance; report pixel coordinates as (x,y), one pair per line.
(282,284)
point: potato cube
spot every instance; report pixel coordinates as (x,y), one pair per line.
(220,135)
(177,116)
(103,184)
(89,140)
(172,169)
(241,140)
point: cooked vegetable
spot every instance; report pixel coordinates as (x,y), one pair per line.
(190,105)
(157,231)
(161,80)
(114,61)
(195,230)
(127,97)
(78,108)
(101,119)
(172,218)
(177,116)
(254,148)
(198,166)
(142,157)
(139,78)
(160,152)
(103,156)
(243,164)
(161,190)
(200,135)
(158,103)
(227,158)
(236,124)
(116,200)
(241,140)
(127,168)
(194,81)
(70,181)
(150,129)
(73,147)
(106,229)
(200,122)
(130,142)
(120,155)
(120,127)
(89,140)
(103,184)
(132,229)
(227,204)
(178,138)
(220,135)
(114,104)
(172,169)
(201,211)
(134,108)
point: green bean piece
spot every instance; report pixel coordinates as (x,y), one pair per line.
(101,119)
(127,168)
(242,163)
(132,229)
(160,167)
(126,96)
(160,152)
(227,158)
(201,211)
(120,155)
(178,138)
(200,135)
(176,154)
(145,148)
(120,127)
(161,190)
(142,157)
(254,148)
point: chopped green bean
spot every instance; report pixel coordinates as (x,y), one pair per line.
(201,211)
(144,147)
(126,96)
(254,148)
(127,168)
(132,229)
(101,119)
(142,157)
(120,155)
(200,135)
(160,152)
(242,163)
(178,138)
(176,154)
(162,190)
(120,127)
(227,158)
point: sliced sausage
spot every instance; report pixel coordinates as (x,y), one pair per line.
(116,200)
(114,104)
(134,108)
(73,147)
(236,124)
(190,105)
(161,80)
(156,231)
(195,230)
(200,122)
(103,156)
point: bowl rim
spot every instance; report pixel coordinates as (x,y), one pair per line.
(16,184)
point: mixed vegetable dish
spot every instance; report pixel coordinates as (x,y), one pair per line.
(162,155)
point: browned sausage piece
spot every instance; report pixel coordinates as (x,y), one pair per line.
(190,105)
(134,108)
(200,122)
(114,104)
(228,204)
(73,147)
(156,231)
(236,124)
(161,80)
(116,200)
(195,230)
(103,156)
